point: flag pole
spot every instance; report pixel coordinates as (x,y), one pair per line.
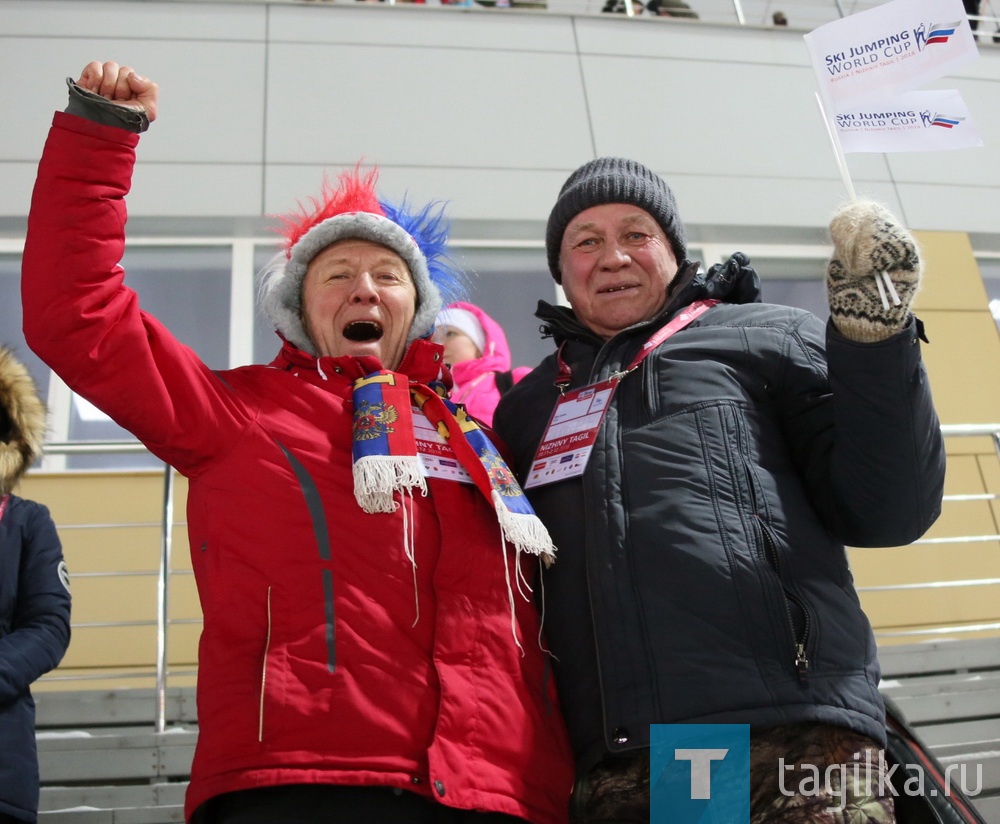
(838,152)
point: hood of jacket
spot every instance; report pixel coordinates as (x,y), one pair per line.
(22,421)
(496,351)
(734,281)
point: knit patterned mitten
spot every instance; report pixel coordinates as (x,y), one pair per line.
(870,247)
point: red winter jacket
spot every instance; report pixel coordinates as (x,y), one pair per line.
(325,657)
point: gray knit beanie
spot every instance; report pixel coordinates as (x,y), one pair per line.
(614,180)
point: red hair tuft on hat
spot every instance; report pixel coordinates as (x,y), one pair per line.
(354,193)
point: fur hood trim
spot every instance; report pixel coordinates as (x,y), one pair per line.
(22,420)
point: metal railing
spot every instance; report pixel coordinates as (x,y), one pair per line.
(166,538)
(837,8)
(991,431)
(166,525)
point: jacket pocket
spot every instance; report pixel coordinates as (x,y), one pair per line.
(795,611)
(263,671)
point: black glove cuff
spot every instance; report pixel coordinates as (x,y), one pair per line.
(90,106)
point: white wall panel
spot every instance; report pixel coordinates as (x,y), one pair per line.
(211,101)
(195,190)
(805,203)
(453,108)
(802,14)
(425,27)
(487,109)
(15,193)
(666,38)
(108,19)
(471,194)
(698,117)
(954,208)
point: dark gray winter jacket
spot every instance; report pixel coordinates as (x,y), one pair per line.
(701,573)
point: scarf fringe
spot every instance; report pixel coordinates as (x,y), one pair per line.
(525,532)
(378,477)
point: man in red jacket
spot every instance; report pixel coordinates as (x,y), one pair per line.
(358,543)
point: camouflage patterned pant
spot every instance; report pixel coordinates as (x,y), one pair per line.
(817,774)
(799,774)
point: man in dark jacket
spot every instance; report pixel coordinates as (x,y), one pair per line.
(708,458)
(34,593)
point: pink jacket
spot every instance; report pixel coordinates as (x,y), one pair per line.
(326,656)
(475,380)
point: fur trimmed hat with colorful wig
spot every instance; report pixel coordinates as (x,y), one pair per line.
(22,421)
(352,210)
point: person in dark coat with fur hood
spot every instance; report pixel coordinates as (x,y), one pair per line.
(34,593)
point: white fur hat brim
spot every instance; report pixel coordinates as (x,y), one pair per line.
(281,280)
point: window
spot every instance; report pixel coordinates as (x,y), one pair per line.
(187,289)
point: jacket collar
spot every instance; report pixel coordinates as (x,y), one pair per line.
(423,362)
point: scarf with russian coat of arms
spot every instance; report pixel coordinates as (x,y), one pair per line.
(386,460)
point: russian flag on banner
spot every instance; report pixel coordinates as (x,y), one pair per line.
(896,47)
(921,121)
(941,32)
(947,122)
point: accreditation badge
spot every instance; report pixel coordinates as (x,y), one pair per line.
(437,458)
(570,435)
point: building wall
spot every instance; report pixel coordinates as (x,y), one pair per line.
(489,110)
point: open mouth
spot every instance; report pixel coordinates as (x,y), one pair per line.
(613,289)
(363,331)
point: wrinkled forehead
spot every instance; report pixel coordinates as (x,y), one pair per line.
(357,250)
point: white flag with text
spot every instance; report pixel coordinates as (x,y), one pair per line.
(920,121)
(896,47)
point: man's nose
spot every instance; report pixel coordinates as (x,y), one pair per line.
(615,256)
(364,290)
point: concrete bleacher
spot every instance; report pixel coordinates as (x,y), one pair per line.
(949,692)
(102,761)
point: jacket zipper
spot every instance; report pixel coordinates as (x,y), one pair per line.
(263,670)
(799,641)
(594,377)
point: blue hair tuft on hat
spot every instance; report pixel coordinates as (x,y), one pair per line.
(429,229)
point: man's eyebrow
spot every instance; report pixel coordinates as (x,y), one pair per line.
(576,228)
(638,217)
(381,260)
(628,220)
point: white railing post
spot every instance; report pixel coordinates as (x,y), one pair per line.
(163,597)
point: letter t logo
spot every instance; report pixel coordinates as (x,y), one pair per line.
(701,769)
(683,761)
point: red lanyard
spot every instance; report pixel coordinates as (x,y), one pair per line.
(3,505)
(682,319)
